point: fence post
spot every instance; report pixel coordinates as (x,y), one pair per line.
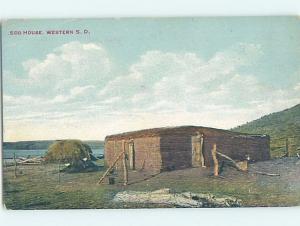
(216,163)
(15,163)
(125,166)
(59,171)
(287,147)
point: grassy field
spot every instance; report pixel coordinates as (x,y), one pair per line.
(279,126)
(39,186)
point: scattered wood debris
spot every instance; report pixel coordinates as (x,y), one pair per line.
(112,166)
(186,199)
(30,161)
(24,161)
(242,166)
(267,174)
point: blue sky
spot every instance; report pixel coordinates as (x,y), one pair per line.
(132,74)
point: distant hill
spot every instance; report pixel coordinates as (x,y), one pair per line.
(281,126)
(44,144)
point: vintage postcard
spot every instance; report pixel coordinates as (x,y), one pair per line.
(190,112)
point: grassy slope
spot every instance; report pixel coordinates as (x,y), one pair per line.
(279,125)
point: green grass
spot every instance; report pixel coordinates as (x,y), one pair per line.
(38,187)
(279,126)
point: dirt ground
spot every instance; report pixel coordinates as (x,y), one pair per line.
(41,187)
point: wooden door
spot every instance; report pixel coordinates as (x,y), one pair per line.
(197,151)
(131,155)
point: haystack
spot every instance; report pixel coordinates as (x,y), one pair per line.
(75,154)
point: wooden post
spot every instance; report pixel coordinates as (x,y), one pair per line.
(110,168)
(143,165)
(287,147)
(15,162)
(201,151)
(242,166)
(125,166)
(59,171)
(216,163)
(131,155)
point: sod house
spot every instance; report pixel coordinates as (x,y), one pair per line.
(171,148)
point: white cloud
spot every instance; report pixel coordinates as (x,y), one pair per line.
(72,64)
(15,101)
(75,94)
(79,90)
(297,87)
(184,81)
(76,84)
